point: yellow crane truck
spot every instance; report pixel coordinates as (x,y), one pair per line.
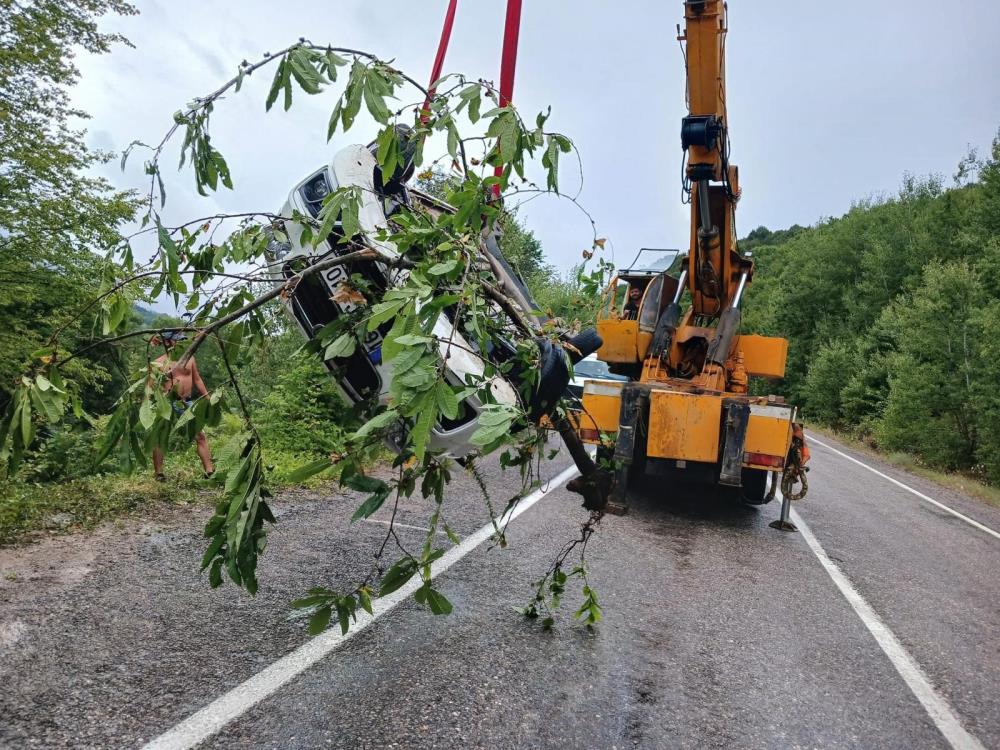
(671,323)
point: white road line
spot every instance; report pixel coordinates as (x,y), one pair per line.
(937,707)
(213,717)
(921,495)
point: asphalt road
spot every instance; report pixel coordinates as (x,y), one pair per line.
(718,631)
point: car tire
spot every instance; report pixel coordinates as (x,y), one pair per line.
(587,342)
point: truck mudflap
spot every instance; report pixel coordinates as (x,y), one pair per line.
(733,442)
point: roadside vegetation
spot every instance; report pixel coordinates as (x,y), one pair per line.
(892,313)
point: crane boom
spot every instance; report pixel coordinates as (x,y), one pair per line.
(686,412)
(716,271)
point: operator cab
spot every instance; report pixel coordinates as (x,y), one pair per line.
(632,304)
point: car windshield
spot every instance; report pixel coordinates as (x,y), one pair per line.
(594,368)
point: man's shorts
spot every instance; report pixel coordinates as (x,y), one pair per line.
(181,405)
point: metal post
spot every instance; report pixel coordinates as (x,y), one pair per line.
(783,524)
(739,290)
(680,287)
(704,211)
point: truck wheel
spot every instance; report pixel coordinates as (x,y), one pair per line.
(754,489)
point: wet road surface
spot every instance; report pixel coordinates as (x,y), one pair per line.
(718,631)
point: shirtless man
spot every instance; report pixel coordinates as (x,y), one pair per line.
(180,382)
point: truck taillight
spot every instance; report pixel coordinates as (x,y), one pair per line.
(762,459)
(591,436)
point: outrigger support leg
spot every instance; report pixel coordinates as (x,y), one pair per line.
(618,500)
(782,524)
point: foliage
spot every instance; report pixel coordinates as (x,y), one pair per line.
(53,214)
(891,312)
(221,278)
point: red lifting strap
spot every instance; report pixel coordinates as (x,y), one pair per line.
(508,64)
(449,21)
(508,61)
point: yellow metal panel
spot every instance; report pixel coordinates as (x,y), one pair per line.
(684,426)
(768,435)
(769,430)
(764,356)
(601,405)
(643,341)
(619,337)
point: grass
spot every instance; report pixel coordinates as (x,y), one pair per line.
(966,483)
(86,502)
(27,508)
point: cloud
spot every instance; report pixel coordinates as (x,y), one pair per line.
(827,102)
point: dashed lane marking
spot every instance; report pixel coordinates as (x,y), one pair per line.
(213,717)
(935,704)
(921,495)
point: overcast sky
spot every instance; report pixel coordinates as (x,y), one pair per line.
(829,102)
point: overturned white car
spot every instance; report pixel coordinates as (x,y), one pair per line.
(362,375)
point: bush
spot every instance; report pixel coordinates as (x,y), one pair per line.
(303,414)
(67,453)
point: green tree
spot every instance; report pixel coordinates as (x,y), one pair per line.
(53,214)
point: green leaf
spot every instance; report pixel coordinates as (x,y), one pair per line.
(375,101)
(452,536)
(421,431)
(342,346)
(354,92)
(303,71)
(444,267)
(212,551)
(27,429)
(286,82)
(335,117)
(349,216)
(506,130)
(146,414)
(333,61)
(377,422)
(471,96)
(397,576)
(319,620)
(344,615)
(365,599)
(311,601)
(215,574)
(383,311)
(375,501)
(413,339)
(362,483)
(279,77)
(436,601)
(447,401)
(307,470)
